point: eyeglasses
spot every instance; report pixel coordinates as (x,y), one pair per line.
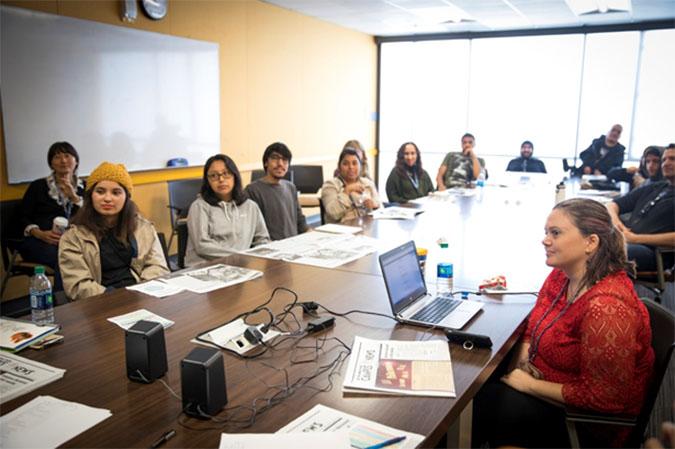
(219,176)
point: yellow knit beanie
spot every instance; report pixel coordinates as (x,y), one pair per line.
(108,171)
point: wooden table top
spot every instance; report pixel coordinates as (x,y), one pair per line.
(93,350)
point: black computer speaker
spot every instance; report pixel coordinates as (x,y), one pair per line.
(202,380)
(145,351)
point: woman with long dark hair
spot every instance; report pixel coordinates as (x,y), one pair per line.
(408,180)
(222,220)
(587,343)
(108,244)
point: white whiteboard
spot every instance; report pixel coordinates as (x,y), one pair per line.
(115,93)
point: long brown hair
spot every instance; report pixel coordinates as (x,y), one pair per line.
(591,217)
(89,218)
(402,167)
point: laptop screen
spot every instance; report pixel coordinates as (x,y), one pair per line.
(402,276)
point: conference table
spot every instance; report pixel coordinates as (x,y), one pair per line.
(490,231)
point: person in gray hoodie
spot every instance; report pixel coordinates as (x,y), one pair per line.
(222,221)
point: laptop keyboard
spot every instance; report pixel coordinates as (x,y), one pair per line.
(435,311)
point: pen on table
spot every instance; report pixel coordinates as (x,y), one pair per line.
(386,443)
(166,436)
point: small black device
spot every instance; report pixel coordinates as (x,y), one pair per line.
(253,335)
(320,324)
(202,380)
(145,351)
(467,340)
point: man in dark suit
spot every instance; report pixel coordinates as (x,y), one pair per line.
(526,162)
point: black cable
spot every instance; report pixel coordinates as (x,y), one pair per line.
(349,312)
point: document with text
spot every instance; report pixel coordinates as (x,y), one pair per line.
(19,375)
(418,368)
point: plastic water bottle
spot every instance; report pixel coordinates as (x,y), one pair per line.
(480,182)
(444,270)
(560,193)
(41,300)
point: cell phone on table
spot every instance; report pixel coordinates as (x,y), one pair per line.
(47,341)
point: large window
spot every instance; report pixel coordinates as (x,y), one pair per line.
(560,91)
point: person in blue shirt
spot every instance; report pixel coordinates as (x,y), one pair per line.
(526,162)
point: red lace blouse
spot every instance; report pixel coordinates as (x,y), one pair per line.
(599,349)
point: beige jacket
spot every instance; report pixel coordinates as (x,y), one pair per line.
(339,206)
(80,260)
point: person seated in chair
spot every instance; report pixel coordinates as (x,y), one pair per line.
(276,197)
(363,156)
(649,210)
(587,343)
(348,195)
(526,162)
(408,180)
(603,154)
(57,195)
(222,220)
(460,168)
(108,245)
(648,171)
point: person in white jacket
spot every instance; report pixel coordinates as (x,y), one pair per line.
(222,221)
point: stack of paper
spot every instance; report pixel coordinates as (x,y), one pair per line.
(363,433)
(320,249)
(19,376)
(127,320)
(396,213)
(17,334)
(418,368)
(201,280)
(47,422)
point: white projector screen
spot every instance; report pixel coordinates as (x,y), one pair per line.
(115,93)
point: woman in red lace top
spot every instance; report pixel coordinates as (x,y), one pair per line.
(588,338)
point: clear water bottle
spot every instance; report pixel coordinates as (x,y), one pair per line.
(41,300)
(444,270)
(480,182)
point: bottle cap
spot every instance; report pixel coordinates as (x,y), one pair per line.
(421,252)
(39,269)
(443,244)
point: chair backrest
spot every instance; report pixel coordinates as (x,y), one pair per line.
(11,232)
(182,193)
(323,212)
(162,242)
(257,174)
(182,233)
(662,322)
(307,178)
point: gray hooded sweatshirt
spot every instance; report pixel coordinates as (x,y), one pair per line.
(218,231)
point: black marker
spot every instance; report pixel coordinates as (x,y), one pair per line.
(163,439)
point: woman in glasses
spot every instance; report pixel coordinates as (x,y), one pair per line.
(222,221)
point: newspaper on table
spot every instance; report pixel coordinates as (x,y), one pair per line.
(362,432)
(47,422)
(211,278)
(19,375)
(127,320)
(338,229)
(396,213)
(418,368)
(319,249)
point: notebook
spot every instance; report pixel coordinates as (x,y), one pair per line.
(410,301)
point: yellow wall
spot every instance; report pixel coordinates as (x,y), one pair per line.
(283,77)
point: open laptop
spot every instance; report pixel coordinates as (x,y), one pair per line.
(408,296)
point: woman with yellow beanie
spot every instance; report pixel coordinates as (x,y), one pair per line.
(108,245)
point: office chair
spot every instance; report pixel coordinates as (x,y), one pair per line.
(11,236)
(656,280)
(257,174)
(165,249)
(662,322)
(181,195)
(307,178)
(323,212)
